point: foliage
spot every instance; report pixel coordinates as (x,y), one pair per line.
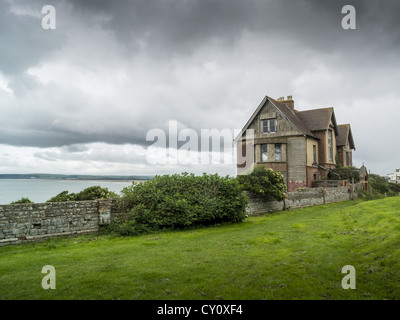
(180,201)
(370,195)
(90,193)
(266,183)
(95,192)
(337,161)
(344,173)
(378,183)
(394,187)
(62,197)
(379,187)
(22,200)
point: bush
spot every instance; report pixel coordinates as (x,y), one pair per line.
(394,187)
(62,197)
(180,201)
(370,195)
(22,200)
(379,187)
(344,173)
(378,184)
(90,193)
(265,183)
(95,192)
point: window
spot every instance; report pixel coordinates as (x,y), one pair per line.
(278,152)
(330,146)
(314,149)
(269,126)
(347,159)
(264,152)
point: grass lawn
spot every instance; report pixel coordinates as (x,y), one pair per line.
(297,254)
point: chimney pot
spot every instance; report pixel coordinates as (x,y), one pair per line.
(289,102)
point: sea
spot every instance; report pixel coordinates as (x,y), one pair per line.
(41,190)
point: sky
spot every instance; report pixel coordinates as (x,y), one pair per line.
(96,94)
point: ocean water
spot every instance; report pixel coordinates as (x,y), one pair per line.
(41,190)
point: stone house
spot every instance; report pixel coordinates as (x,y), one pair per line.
(302,145)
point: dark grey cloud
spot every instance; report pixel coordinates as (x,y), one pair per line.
(115,69)
(180,26)
(23,42)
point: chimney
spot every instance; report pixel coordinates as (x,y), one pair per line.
(289,102)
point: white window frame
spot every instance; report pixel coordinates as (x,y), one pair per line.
(279,159)
(268,126)
(264,153)
(330,146)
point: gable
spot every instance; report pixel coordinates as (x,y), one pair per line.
(345,136)
(270,108)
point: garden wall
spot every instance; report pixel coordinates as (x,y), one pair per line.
(33,221)
(302,198)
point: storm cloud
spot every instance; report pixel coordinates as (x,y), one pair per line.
(113,70)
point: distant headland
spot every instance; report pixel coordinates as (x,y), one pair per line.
(70,177)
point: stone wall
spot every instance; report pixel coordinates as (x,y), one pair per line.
(33,221)
(301,199)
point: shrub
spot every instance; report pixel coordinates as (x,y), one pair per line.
(344,173)
(180,201)
(394,187)
(62,197)
(95,192)
(265,183)
(22,200)
(90,193)
(378,184)
(379,187)
(370,195)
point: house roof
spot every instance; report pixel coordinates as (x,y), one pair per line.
(318,119)
(293,117)
(344,135)
(286,112)
(307,122)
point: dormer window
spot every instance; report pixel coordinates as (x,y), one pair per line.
(269,126)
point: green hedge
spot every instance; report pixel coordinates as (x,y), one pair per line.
(180,201)
(265,183)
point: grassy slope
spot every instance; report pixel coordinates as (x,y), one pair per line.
(289,255)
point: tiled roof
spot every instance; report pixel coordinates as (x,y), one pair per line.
(344,135)
(317,119)
(292,117)
(305,121)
